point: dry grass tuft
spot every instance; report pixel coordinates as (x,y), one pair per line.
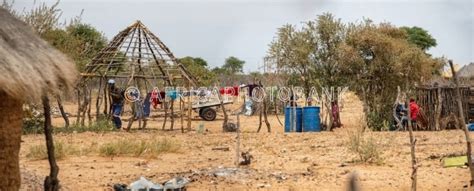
(39,152)
(134,148)
(366,146)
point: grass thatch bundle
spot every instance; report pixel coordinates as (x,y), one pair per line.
(29,66)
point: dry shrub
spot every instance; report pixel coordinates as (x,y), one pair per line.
(140,148)
(368,148)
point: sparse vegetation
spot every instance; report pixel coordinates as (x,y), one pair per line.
(135,148)
(100,126)
(61,150)
(34,125)
(39,152)
(122,147)
(367,148)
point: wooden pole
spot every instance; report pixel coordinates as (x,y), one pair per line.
(412,144)
(237,147)
(265,116)
(84,106)
(395,114)
(190,105)
(181,103)
(439,106)
(264,109)
(165,104)
(226,118)
(78,116)
(89,106)
(51,182)
(172,114)
(260,120)
(293,102)
(98,100)
(107,99)
(63,113)
(461,115)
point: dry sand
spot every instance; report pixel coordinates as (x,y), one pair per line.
(282,161)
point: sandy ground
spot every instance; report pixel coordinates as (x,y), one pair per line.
(282,161)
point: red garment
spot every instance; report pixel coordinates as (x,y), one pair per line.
(414,110)
(335,115)
(233,91)
(156,98)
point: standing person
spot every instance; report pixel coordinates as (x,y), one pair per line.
(117,97)
(414,110)
(335,115)
(401,114)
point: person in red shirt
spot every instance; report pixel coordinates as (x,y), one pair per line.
(414,110)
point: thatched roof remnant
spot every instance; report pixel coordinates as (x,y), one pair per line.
(29,66)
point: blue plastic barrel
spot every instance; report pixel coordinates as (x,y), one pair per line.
(470,126)
(311,119)
(289,116)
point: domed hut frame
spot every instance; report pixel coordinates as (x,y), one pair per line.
(135,57)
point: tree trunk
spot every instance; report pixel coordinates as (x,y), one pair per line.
(51,182)
(11,114)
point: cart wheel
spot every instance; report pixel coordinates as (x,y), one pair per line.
(200,112)
(208,114)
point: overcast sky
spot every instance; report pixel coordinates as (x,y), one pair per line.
(216,29)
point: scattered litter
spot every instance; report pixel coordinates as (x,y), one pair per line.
(225,171)
(279,176)
(200,128)
(455,161)
(248,107)
(120,187)
(247,157)
(263,186)
(143,183)
(230,127)
(178,183)
(220,149)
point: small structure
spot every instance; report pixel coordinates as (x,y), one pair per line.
(466,74)
(30,69)
(135,57)
(438,102)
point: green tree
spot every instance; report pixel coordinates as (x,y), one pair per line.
(79,41)
(291,51)
(372,59)
(198,67)
(394,62)
(233,65)
(329,34)
(420,37)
